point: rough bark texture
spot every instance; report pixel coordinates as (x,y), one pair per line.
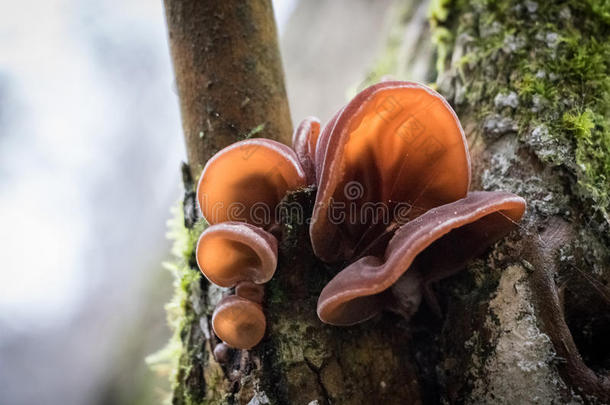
(228,74)
(526,323)
(530,83)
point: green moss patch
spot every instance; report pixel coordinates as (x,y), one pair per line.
(543,71)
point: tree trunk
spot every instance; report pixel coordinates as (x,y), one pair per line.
(529,321)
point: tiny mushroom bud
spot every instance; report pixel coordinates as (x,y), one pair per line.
(230,252)
(433,245)
(396,144)
(304,142)
(239,322)
(246,180)
(221,352)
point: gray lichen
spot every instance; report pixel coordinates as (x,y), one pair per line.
(520,371)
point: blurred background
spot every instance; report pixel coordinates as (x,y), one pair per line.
(90,150)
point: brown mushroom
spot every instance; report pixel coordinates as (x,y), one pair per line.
(222,352)
(304,142)
(230,252)
(245,182)
(395,143)
(432,246)
(239,322)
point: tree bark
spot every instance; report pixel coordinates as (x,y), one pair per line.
(526,323)
(228,74)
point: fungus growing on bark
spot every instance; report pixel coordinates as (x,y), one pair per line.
(304,142)
(221,352)
(230,252)
(239,322)
(238,194)
(393,174)
(245,182)
(433,246)
(396,143)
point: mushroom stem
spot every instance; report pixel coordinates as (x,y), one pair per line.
(250,291)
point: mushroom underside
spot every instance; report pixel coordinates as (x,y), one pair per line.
(437,244)
(230,252)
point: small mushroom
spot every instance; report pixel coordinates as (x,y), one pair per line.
(304,142)
(221,352)
(396,144)
(231,252)
(239,322)
(430,247)
(245,182)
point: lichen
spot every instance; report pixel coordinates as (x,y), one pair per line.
(521,370)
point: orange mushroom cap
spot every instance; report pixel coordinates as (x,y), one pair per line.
(394,143)
(230,252)
(245,182)
(437,243)
(304,142)
(239,322)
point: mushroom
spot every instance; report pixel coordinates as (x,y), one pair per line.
(245,182)
(304,142)
(240,255)
(398,144)
(433,246)
(239,322)
(238,194)
(231,252)
(221,352)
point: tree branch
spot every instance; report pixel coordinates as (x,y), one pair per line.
(228,73)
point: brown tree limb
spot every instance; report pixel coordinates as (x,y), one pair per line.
(228,74)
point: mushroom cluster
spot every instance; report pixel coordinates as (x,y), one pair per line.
(392,171)
(238,193)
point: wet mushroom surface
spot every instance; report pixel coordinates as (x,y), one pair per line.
(396,145)
(393,206)
(238,194)
(245,182)
(392,172)
(431,247)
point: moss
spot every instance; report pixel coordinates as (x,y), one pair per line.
(256,130)
(438,11)
(560,71)
(592,154)
(174,359)
(601,8)
(442,38)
